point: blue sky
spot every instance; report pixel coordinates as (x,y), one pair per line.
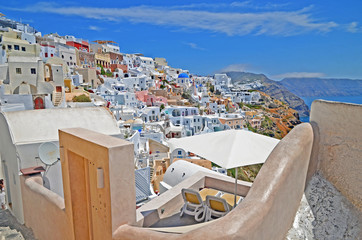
(278,38)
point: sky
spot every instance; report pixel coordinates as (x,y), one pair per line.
(278,38)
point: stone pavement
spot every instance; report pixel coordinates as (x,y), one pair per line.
(10,228)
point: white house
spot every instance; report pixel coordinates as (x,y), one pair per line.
(135,83)
(146,62)
(151,114)
(176,113)
(67,53)
(192,125)
(47,50)
(222,82)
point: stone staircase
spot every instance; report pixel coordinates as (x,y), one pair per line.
(151,173)
(10,234)
(57,98)
(10,228)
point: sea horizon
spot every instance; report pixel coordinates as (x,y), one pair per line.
(346,99)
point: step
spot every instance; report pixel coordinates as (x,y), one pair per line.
(10,234)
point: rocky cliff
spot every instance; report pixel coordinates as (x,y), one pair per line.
(278,119)
(273,88)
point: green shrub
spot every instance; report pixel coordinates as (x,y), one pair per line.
(81,98)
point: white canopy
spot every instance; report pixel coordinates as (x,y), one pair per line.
(228,149)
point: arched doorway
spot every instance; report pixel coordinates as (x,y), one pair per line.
(39,103)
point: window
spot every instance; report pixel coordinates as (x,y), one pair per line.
(18,70)
(9,47)
(46,54)
(23,49)
(16,47)
(70,58)
(63,56)
(32,70)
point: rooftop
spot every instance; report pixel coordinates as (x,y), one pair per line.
(48,121)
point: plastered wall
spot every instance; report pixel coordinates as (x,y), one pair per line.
(339,155)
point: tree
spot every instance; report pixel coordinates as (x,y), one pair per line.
(109,73)
(212,89)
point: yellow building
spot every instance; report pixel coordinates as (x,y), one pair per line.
(233,123)
(15,46)
(103,59)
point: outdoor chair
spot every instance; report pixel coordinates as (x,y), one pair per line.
(230,199)
(194,205)
(209,191)
(216,207)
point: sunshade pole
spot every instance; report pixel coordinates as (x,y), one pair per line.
(236,185)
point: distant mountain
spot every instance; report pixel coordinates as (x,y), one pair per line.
(273,88)
(245,77)
(315,87)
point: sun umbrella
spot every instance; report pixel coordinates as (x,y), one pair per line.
(228,149)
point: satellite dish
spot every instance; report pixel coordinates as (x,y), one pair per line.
(49,153)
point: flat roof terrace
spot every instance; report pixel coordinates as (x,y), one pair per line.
(164,210)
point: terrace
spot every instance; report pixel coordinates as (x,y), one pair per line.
(164,211)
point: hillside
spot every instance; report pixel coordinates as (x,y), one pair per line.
(272,88)
(277,117)
(315,87)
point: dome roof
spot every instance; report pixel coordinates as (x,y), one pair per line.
(183,75)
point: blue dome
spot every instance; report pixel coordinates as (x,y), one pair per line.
(183,75)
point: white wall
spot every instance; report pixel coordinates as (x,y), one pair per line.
(10,168)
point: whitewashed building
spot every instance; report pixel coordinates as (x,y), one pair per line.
(151,114)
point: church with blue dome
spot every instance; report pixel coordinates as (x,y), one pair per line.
(183,75)
(183,79)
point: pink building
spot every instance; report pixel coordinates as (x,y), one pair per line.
(150,99)
(140,95)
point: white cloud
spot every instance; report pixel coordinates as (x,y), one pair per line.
(353,27)
(94,28)
(194,46)
(283,23)
(299,75)
(238,67)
